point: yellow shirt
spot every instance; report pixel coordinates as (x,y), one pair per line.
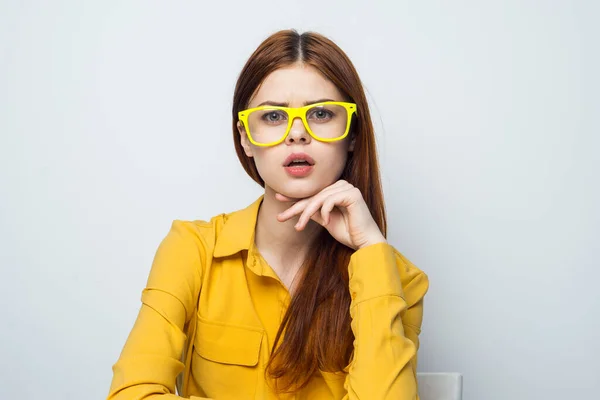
(210,274)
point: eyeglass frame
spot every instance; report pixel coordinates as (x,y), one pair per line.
(297,112)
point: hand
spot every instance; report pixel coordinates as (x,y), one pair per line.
(344,214)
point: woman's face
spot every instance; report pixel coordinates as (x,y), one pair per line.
(297,85)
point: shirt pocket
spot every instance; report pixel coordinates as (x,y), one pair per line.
(225,362)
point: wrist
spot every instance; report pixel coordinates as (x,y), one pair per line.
(374,240)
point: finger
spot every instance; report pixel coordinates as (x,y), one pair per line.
(318,219)
(302,204)
(328,206)
(341,200)
(316,216)
(318,200)
(316,203)
(292,211)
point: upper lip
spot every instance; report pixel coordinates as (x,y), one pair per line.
(298,156)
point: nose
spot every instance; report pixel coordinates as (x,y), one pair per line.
(298,133)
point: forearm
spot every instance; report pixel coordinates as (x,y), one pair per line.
(381,365)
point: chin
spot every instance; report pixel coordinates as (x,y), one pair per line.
(298,190)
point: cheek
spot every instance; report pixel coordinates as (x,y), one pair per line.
(338,162)
(266,161)
(332,166)
(338,156)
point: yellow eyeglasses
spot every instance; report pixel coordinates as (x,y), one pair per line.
(327,121)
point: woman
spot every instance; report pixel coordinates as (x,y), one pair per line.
(298,295)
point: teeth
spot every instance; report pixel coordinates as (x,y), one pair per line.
(298,162)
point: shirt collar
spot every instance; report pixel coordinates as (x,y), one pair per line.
(237,233)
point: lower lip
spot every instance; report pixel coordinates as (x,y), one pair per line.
(302,170)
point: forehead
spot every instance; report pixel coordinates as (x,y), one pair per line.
(295,85)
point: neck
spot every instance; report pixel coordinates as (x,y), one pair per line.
(280,240)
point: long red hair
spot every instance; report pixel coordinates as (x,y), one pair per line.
(315,332)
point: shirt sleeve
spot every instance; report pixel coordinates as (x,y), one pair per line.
(151,358)
(387,293)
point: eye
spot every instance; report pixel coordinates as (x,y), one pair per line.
(320,114)
(273,116)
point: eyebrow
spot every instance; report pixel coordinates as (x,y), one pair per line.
(286,104)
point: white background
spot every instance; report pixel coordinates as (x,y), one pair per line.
(115,120)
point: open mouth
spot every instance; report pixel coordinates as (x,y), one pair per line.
(298,163)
